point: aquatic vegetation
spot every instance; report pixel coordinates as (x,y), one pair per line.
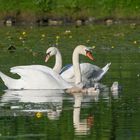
(24,33)
(43,35)
(70,36)
(20,38)
(118,44)
(115,37)
(67,32)
(135,42)
(57,37)
(39,114)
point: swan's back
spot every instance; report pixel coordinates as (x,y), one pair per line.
(87,70)
(90,73)
(33,78)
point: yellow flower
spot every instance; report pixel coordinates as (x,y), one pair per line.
(43,35)
(93,47)
(24,33)
(57,37)
(112,47)
(135,42)
(39,114)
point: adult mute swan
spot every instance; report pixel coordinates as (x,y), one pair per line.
(90,73)
(34,79)
(38,78)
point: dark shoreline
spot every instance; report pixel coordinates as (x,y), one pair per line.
(50,21)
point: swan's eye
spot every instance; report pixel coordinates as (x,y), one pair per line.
(48,53)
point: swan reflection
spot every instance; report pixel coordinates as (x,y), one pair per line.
(50,103)
(82,126)
(30,102)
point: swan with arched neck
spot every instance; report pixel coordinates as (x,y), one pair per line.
(38,78)
(90,73)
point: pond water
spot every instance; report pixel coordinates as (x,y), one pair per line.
(54,114)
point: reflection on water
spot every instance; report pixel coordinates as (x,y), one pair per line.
(82,126)
(55,115)
(48,103)
(26,102)
(39,113)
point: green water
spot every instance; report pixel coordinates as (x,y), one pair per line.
(50,115)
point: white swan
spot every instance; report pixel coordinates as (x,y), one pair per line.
(34,79)
(38,78)
(90,73)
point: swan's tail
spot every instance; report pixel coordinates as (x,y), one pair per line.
(6,79)
(105,68)
(102,72)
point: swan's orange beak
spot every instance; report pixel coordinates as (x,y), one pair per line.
(89,55)
(47,58)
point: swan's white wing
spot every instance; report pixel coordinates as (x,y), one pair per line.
(90,73)
(93,72)
(21,70)
(102,72)
(87,70)
(68,75)
(38,67)
(37,79)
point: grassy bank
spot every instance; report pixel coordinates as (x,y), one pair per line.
(73,9)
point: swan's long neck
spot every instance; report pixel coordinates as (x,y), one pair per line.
(58,62)
(76,66)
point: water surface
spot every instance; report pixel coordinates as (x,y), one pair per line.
(54,114)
